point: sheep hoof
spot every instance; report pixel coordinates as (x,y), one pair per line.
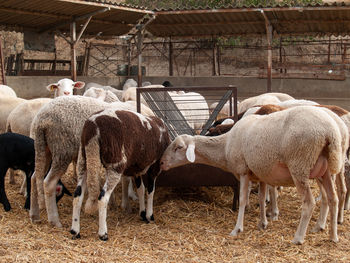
(317,229)
(335,239)
(298,241)
(340,221)
(104,237)
(56,224)
(75,234)
(7,207)
(262,225)
(235,232)
(35,218)
(143,216)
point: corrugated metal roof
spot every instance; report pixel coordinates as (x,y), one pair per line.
(45,15)
(319,19)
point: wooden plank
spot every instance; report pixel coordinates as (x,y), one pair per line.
(305,76)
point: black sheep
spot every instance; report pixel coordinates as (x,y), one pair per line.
(17,152)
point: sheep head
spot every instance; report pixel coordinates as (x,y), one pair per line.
(180,152)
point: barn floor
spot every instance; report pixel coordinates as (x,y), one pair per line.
(192,225)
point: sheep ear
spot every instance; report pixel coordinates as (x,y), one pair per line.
(79,85)
(52,86)
(191,156)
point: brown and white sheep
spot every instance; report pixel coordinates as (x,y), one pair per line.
(57,130)
(128,144)
(306,144)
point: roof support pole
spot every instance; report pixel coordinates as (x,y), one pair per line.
(139,57)
(73,37)
(269,50)
(3,77)
(215,57)
(129,57)
(171,58)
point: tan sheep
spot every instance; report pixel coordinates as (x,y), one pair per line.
(307,144)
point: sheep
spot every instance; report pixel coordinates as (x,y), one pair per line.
(17,152)
(6,91)
(115,91)
(56,129)
(130,93)
(347,181)
(64,87)
(307,139)
(7,104)
(127,144)
(129,83)
(21,117)
(266,98)
(101,94)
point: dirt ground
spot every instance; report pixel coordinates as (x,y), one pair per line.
(191,225)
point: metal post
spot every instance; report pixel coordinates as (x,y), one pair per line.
(215,72)
(73,36)
(218,58)
(171,69)
(2,63)
(269,50)
(139,55)
(329,50)
(129,57)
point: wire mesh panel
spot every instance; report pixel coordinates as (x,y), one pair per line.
(185,110)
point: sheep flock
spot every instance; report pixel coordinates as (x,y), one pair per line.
(290,157)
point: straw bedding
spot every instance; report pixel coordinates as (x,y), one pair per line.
(191,225)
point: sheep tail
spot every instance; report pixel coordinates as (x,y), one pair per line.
(8,126)
(93,165)
(335,153)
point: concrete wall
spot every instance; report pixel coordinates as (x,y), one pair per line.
(322,91)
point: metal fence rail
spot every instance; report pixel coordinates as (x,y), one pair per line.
(184,112)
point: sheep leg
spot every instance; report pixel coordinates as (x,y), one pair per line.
(347,183)
(12,176)
(79,194)
(131,192)
(3,197)
(23,190)
(112,179)
(274,206)
(321,222)
(34,204)
(50,183)
(141,195)
(262,205)
(244,185)
(42,164)
(341,189)
(308,204)
(125,199)
(333,202)
(28,185)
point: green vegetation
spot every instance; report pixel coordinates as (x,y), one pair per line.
(172,4)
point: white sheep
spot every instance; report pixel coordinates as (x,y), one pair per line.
(129,83)
(132,148)
(192,105)
(115,91)
(266,98)
(256,148)
(101,94)
(56,130)
(6,91)
(7,104)
(64,87)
